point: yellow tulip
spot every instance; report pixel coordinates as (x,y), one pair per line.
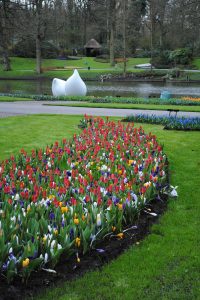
(76,221)
(113,228)
(78,242)
(120,206)
(25,262)
(64,209)
(120,235)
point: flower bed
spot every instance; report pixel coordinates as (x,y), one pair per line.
(109,99)
(193,99)
(66,198)
(169,122)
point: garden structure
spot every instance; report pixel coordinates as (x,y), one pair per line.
(92,48)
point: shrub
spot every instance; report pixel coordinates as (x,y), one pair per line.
(26,48)
(168,58)
(162,59)
(181,56)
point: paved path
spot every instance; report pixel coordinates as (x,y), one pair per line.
(37,107)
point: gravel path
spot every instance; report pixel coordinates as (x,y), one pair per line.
(36,107)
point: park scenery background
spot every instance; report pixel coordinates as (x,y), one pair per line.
(100,207)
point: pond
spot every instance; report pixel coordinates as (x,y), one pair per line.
(95,88)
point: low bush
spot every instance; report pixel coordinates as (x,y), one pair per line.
(168,58)
(26,48)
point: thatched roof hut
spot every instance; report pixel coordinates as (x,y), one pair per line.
(92,48)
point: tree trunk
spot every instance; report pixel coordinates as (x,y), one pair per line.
(4,35)
(107,25)
(84,27)
(38,38)
(124,35)
(38,55)
(112,55)
(5,60)
(112,13)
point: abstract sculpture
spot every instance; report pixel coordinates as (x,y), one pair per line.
(74,86)
(58,87)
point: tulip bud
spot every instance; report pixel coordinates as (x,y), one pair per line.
(98,220)
(46,258)
(53,244)
(16,197)
(59,247)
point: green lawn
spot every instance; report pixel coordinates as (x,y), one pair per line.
(131,106)
(13,99)
(196,63)
(166,264)
(31,132)
(25,67)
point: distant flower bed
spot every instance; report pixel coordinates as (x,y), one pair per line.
(66,198)
(169,122)
(191,99)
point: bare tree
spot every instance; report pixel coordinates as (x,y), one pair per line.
(112,15)
(124,35)
(5,28)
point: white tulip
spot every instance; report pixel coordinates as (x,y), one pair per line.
(53,244)
(16,197)
(59,247)
(46,257)
(98,220)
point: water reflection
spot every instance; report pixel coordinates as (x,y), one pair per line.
(139,89)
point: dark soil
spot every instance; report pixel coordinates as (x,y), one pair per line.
(181,129)
(69,269)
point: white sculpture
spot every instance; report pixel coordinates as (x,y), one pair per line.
(75,86)
(58,87)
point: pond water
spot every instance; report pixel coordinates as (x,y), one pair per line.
(95,88)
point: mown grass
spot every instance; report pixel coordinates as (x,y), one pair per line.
(130,106)
(25,67)
(13,99)
(163,266)
(30,132)
(196,63)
